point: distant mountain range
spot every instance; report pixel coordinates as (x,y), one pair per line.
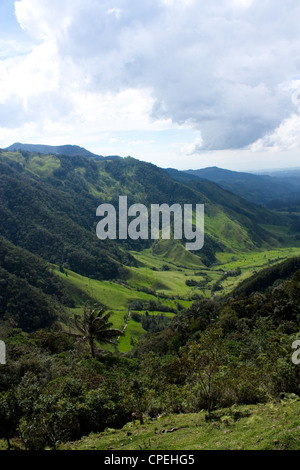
(70,150)
(267,190)
(273,189)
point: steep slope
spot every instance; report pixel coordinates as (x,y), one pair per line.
(266,278)
(55,221)
(48,206)
(32,296)
(230,221)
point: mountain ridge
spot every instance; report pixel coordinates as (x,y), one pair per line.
(70,150)
(143,182)
(257,188)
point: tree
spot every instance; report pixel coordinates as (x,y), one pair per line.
(95,325)
(9,415)
(204,360)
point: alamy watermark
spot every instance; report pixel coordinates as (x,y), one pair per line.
(152,224)
(296,355)
(2,352)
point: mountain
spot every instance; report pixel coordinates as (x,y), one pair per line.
(219,174)
(52,218)
(182,176)
(170,303)
(71,150)
(266,278)
(281,173)
(31,294)
(270,189)
(56,196)
(259,189)
(48,219)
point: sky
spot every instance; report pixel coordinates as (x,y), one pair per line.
(185,84)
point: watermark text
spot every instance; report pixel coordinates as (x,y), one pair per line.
(296,355)
(2,352)
(133,222)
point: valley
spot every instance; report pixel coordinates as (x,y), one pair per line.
(152,282)
(59,195)
(233,304)
(149,229)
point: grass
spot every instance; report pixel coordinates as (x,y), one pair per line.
(39,165)
(272,426)
(281,231)
(151,282)
(44,165)
(230,232)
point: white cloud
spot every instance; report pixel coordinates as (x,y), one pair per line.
(221,67)
(45,20)
(115,11)
(191,148)
(285,137)
(31,87)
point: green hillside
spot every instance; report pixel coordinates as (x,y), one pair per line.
(198,330)
(31,294)
(48,208)
(72,187)
(218,375)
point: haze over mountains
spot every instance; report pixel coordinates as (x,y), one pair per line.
(274,189)
(263,189)
(106,179)
(126,327)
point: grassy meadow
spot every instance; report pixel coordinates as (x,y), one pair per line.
(161,277)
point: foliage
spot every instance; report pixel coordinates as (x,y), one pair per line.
(95,325)
(211,354)
(152,323)
(266,277)
(272,427)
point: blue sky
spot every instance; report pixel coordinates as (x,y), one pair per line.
(8,21)
(179,83)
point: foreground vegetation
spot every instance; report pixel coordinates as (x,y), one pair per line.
(216,354)
(271,426)
(125,339)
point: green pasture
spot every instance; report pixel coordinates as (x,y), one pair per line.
(152,282)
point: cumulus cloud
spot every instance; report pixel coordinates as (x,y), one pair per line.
(220,67)
(31,88)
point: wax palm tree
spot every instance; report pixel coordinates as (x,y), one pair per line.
(95,325)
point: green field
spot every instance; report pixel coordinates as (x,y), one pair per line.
(152,281)
(157,378)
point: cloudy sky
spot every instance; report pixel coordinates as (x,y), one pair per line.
(179,83)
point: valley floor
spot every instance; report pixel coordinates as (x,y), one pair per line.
(164,279)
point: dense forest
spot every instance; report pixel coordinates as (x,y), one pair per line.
(198,351)
(210,356)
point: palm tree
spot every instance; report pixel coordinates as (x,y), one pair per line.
(95,325)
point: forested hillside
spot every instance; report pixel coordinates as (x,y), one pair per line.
(100,334)
(216,356)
